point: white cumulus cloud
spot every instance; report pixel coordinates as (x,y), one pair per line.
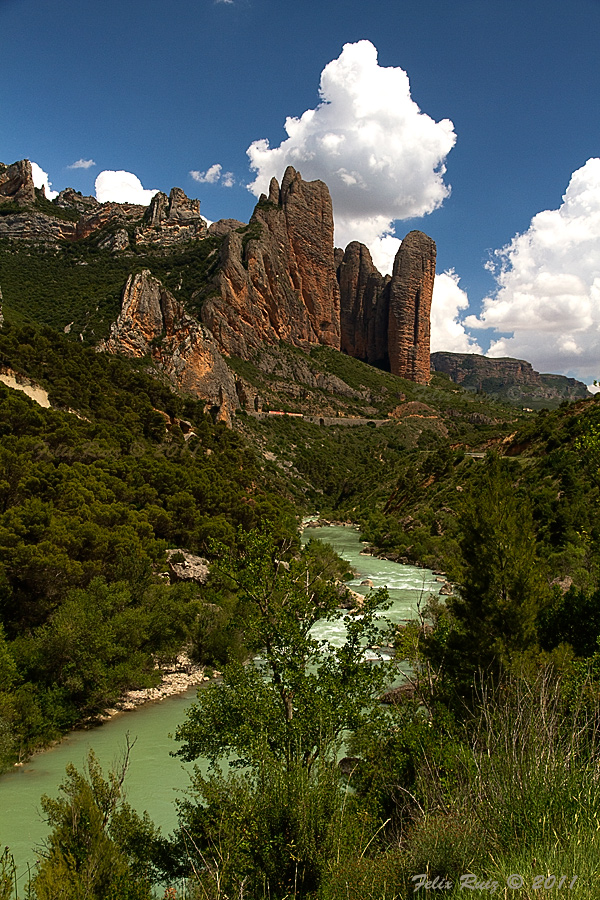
(447,330)
(40,180)
(82,164)
(548,297)
(214,174)
(211,176)
(381,157)
(122,187)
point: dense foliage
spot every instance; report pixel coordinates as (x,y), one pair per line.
(90,499)
(79,286)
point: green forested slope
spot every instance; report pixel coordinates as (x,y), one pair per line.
(554,460)
(90,499)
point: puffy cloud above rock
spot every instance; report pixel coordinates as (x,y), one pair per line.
(548,296)
(447,331)
(381,157)
(82,164)
(40,180)
(122,187)
(213,175)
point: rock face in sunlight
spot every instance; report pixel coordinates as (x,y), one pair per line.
(16,183)
(410,292)
(512,380)
(276,281)
(152,322)
(171,220)
(386,321)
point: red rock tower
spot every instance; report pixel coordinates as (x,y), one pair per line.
(411,289)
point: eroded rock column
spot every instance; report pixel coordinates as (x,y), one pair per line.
(410,292)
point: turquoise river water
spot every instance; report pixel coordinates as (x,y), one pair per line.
(155,778)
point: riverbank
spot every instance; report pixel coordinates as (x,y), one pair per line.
(150,716)
(182,675)
(176,680)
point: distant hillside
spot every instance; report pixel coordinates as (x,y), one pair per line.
(512,380)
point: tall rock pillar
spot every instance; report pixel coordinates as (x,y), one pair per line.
(410,292)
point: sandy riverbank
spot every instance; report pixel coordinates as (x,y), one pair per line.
(176,679)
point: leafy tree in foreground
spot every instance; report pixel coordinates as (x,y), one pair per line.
(304,692)
(97,847)
(273,829)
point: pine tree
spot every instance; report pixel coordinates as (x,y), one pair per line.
(501,587)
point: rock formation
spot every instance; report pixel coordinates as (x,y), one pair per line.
(171,220)
(24,221)
(34,227)
(152,322)
(276,279)
(385,321)
(364,306)
(224,226)
(513,380)
(168,221)
(410,292)
(16,183)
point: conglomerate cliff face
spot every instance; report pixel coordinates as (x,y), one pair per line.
(16,183)
(152,322)
(386,321)
(276,279)
(161,227)
(410,292)
(364,306)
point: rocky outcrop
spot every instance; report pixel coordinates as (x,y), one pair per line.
(167,222)
(276,279)
(152,322)
(364,306)
(115,241)
(184,566)
(224,226)
(16,183)
(34,227)
(512,380)
(171,220)
(108,214)
(76,201)
(385,321)
(410,292)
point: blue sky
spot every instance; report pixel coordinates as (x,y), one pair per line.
(162,90)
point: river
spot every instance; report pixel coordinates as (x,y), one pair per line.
(155,778)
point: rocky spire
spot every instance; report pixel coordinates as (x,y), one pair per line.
(410,293)
(385,321)
(364,307)
(276,280)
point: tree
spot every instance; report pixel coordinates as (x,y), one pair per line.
(272,829)
(501,587)
(98,847)
(302,693)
